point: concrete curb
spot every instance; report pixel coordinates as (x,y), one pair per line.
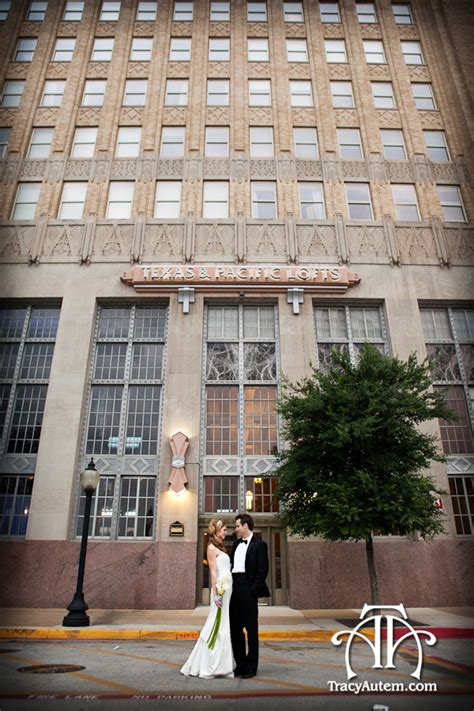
(104,634)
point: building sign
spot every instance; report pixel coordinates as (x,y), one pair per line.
(156,277)
(177,528)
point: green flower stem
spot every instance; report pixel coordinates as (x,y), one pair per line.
(212,639)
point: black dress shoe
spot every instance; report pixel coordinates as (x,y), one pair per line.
(248,674)
(238,672)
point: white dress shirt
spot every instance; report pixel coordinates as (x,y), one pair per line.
(239,556)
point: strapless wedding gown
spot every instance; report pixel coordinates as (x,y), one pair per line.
(205,662)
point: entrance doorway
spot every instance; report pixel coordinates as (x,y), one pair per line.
(275,539)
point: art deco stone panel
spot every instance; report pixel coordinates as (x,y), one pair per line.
(17,70)
(217,115)
(30,29)
(169,168)
(214,242)
(399,171)
(389,118)
(105,29)
(216,168)
(98,70)
(347,117)
(371,31)
(419,74)
(178,70)
(46,116)
(68,29)
(295,29)
(366,241)
(333,31)
(430,119)
(310,169)
(57,70)
(64,240)
(460,244)
(88,116)
(131,115)
(7,116)
(16,242)
(416,244)
(10,169)
(164,241)
(259,70)
(316,242)
(124,168)
(339,72)
(355,169)
(444,171)
(299,71)
(112,242)
(219,29)
(257,29)
(174,116)
(379,72)
(218,70)
(408,32)
(303,117)
(143,29)
(33,168)
(262,168)
(266,241)
(181,29)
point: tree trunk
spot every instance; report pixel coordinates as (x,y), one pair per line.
(374,589)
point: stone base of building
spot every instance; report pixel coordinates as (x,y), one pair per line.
(122,575)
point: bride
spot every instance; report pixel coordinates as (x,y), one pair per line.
(212,653)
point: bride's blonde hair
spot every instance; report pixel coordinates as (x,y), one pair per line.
(214,528)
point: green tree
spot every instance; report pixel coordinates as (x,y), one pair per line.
(354,457)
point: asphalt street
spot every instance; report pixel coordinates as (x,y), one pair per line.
(292,675)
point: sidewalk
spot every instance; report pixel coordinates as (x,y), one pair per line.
(276,623)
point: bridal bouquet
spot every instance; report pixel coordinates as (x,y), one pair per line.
(222,585)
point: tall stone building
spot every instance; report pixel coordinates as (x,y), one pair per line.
(198,198)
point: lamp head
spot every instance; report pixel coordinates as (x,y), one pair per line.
(90,477)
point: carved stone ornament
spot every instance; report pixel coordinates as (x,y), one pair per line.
(179,445)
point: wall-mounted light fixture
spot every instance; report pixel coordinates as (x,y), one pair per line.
(177,481)
(249,500)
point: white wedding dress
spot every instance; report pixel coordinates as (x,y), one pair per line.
(205,662)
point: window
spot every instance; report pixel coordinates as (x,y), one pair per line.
(217,141)
(27,338)
(350,144)
(257,11)
(73,11)
(293,12)
(218,92)
(335,51)
(260,92)
(219,49)
(311,201)
(366,12)
(240,403)
(180,49)
(4,9)
(134,335)
(264,205)
(436,146)
(383,95)
(451,203)
(119,204)
(25,49)
(183,12)
(128,142)
(258,50)
(358,201)
(306,143)
(110,11)
(26,200)
(393,144)
(4,141)
(374,53)
(347,328)
(102,49)
(37,11)
(412,53)
(220,11)
(141,49)
(406,206)
(301,93)
(176,92)
(146,11)
(135,92)
(449,337)
(261,142)
(342,96)
(215,199)
(12,93)
(296,50)
(72,201)
(84,143)
(172,142)
(63,50)
(40,143)
(402,14)
(329,12)
(424,98)
(94,92)
(168,199)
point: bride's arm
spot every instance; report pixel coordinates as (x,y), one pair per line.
(211,559)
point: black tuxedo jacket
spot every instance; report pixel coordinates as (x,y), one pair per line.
(256,565)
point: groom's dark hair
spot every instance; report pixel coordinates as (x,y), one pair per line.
(245,518)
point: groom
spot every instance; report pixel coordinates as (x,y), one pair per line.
(249,565)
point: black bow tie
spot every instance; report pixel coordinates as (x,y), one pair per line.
(242,540)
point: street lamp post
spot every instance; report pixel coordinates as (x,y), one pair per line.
(77,617)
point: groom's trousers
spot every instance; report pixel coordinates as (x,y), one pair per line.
(244,614)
